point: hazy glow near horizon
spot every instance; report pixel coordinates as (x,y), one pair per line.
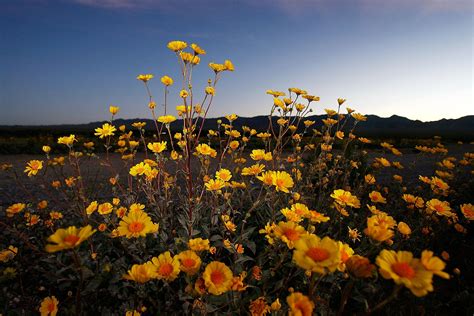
(66,61)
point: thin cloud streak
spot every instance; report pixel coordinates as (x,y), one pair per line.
(289,5)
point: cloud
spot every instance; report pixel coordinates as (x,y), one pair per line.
(288,6)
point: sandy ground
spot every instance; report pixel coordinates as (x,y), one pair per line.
(20,188)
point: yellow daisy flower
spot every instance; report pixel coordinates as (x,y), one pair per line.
(68,238)
(217,278)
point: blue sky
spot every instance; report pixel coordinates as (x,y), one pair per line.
(65,61)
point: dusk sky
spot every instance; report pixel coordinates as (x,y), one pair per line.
(66,61)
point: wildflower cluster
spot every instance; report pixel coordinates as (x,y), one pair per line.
(296,218)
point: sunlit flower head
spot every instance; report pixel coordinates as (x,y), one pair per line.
(404,269)
(289,233)
(136,224)
(8,253)
(157,147)
(15,208)
(145,78)
(223,174)
(318,255)
(49,306)
(105,130)
(345,198)
(433,264)
(33,167)
(282,181)
(217,278)
(141,273)
(67,140)
(468,211)
(167,267)
(114,109)
(197,50)
(177,46)
(190,262)
(68,238)
(300,305)
(198,244)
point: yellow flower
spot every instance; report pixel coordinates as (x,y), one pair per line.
(437,183)
(145,78)
(259,307)
(404,229)
(167,81)
(190,262)
(167,267)
(275,93)
(217,67)
(300,305)
(183,94)
(439,207)
(376,197)
(346,252)
(217,278)
(49,306)
(311,97)
(369,178)
(138,125)
(33,166)
(205,150)
(136,224)
(276,305)
(433,264)
(15,208)
(259,154)
(67,140)
(253,170)
(234,144)
(316,217)
(198,50)
(289,232)
(141,273)
(46,149)
(8,254)
(345,198)
(215,185)
(55,215)
(267,177)
(468,211)
(140,169)
(317,255)
(210,90)
(379,227)
(383,161)
(177,46)
(106,130)
(91,208)
(228,65)
(359,117)
(104,208)
(198,244)
(404,269)
(114,109)
(359,267)
(157,147)
(282,181)
(68,238)
(224,175)
(166,119)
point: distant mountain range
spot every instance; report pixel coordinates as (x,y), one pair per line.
(375,126)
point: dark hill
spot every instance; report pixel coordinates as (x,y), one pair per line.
(375,126)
